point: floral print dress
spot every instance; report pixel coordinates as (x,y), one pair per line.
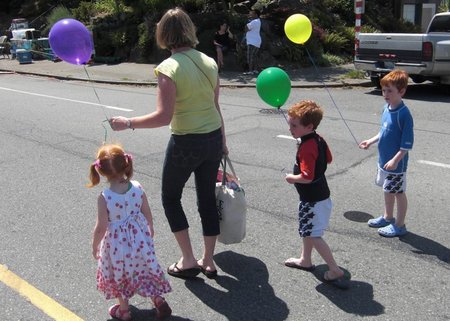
(128,263)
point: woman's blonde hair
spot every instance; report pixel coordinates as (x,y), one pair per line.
(176,30)
(112,162)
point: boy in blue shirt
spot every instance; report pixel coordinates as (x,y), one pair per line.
(395,139)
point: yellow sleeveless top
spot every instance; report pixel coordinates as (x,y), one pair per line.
(195,111)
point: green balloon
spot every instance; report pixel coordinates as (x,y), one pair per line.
(273,86)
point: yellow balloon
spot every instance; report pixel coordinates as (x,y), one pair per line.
(298,28)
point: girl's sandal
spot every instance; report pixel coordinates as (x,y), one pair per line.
(118,314)
(163,309)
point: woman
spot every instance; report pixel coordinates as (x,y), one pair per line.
(188,100)
(222,42)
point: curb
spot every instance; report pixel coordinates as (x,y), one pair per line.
(117,82)
(342,84)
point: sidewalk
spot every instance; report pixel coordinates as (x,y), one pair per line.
(142,74)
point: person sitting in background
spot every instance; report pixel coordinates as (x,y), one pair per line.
(223,40)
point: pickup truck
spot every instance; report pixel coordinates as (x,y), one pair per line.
(423,56)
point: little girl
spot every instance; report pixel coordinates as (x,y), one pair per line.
(123,237)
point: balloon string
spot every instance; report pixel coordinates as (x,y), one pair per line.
(93,87)
(106,130)
(281,111)
(331,97)
(287,121)
(98,99)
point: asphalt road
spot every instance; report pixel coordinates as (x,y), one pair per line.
(50,131)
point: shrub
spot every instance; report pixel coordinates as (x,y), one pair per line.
(145,43)
(332,60)
(146,6)
(334,43)
(60,12)
(369,29)
(84,11)
(294,53)
(107,7)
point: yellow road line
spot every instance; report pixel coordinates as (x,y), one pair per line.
(39,299)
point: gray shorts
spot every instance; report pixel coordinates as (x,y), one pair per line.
(313,217)
(391,182)
(252,56)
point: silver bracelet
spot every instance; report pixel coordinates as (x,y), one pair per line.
(129,124)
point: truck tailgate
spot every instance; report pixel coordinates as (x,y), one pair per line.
(392,46)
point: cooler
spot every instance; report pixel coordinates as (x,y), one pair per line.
(24,56)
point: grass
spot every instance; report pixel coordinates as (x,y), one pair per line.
(355,74)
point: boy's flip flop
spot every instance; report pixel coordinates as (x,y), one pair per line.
(175,271)
(291,263)
(340,283)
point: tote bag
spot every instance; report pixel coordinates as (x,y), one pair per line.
(231,205)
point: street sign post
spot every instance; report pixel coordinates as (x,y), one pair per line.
(359,10)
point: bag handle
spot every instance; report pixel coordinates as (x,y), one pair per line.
(198,68)
(224,162)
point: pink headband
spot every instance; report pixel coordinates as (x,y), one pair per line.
(97,164)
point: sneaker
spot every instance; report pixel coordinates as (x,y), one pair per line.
(380,222)
(247,73)
(392,230)
(255,72)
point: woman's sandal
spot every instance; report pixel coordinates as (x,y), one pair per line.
(175,271)
(208,273)
(163,309)
(118,314)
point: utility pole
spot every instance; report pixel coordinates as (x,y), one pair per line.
(359,10)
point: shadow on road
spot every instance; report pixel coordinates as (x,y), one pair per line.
(425,246)
(357,216)
(148,315)
(246,293)
(422,245)
(357,300)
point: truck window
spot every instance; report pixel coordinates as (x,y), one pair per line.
(440,24)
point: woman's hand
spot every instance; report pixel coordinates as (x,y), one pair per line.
(225,149)
(95,253)
(151,230)
(118,123)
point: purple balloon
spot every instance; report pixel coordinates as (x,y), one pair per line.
(71,41)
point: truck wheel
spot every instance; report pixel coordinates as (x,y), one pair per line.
(376,81)
(444,89)
(418,79)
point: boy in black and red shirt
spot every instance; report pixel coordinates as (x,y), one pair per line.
(315,205)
